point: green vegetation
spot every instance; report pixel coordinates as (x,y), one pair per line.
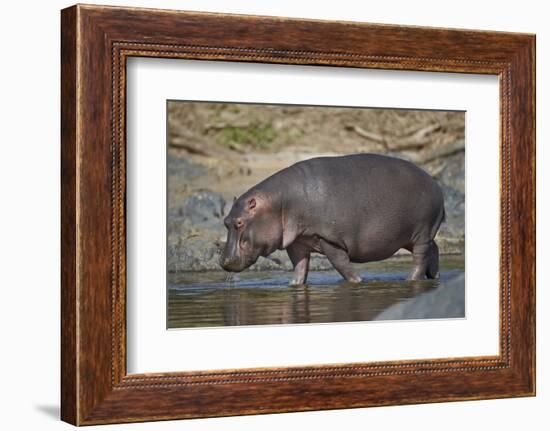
(255,136)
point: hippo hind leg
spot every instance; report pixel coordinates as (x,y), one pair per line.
(299,256)
(340,260)
(433,261)
(425,261)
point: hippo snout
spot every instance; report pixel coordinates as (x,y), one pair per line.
(236,263)
(230,262)
(227,263)
(231,265)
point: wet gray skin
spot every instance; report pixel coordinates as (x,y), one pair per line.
(352,209)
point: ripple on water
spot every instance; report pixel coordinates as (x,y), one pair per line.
(212,299)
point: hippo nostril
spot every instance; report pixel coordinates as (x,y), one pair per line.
(225,263)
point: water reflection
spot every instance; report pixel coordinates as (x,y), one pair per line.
(210,299)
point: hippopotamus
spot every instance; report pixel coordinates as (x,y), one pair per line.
(352,209)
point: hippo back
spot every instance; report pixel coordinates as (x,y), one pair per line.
(371,205)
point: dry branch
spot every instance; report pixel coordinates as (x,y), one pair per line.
(181,137)
(414,130)
(223,125)
(193,147)
(439,152)
(416,139)
(368,135)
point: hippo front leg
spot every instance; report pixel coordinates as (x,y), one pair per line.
(340,260)
(299,256)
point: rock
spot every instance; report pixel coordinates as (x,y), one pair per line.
(450,237)
(446,301)
(454,201)
(183,168)
(195,231)
(279,260)
(203,207)
(452,175)
(196,252)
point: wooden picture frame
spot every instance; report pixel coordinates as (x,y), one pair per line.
(95,43)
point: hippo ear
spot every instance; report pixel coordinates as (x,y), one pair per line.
(258,202)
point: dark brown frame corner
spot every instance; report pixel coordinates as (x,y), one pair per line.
(95,43)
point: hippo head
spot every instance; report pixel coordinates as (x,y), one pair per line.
(253,230)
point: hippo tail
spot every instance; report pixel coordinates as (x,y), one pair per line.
(442,217)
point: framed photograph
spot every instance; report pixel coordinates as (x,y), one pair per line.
(264,214)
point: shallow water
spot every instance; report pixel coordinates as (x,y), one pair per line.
(212,299)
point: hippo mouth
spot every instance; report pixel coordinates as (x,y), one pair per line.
(237,255)
(237,264)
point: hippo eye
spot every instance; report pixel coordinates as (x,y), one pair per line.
(239,224)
